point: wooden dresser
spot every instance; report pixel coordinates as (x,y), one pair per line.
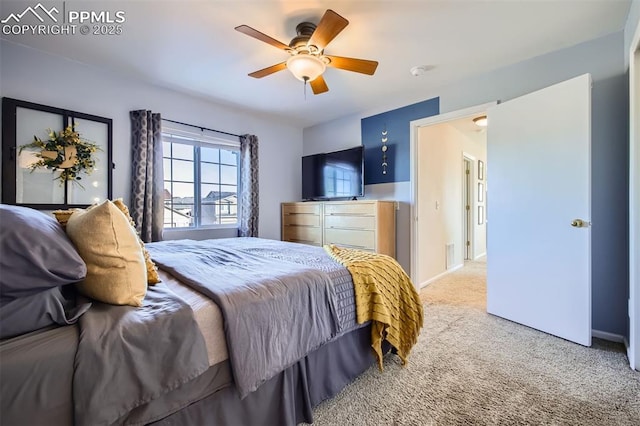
(366,225)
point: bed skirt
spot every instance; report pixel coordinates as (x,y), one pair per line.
(288,398)
(42,363)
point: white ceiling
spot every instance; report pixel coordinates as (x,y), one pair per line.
(191,46)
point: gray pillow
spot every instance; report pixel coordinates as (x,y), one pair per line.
(35,254)
(49,307)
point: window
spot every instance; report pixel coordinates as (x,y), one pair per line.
(201,178)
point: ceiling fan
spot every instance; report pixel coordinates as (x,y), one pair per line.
(308,61)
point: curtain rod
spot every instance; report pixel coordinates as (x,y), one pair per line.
(200,127)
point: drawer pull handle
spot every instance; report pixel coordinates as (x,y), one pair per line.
(350,228)
(355,247)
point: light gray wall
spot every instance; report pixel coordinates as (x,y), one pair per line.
(604,59)
(30,75)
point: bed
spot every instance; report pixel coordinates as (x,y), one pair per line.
(181,358)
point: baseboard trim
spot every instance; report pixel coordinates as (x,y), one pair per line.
(437,277)
(605,335)
(480,256)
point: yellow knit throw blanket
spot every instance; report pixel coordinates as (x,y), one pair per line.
(386,296)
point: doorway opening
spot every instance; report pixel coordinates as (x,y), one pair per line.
(446,230)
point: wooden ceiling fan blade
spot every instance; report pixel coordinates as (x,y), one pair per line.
(269,70)
(318,85)
(251,32)
(362,66)
(329,27)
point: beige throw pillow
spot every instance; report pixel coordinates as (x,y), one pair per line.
(116,271)
(152,269)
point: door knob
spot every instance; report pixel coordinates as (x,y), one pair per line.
(579,223)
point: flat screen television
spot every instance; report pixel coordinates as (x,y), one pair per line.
(338,174)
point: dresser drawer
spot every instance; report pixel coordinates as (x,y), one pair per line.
(302,234)
(350,222)
(350,238)
(301,208)
(354,208)
(301,219)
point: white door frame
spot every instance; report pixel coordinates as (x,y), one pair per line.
(633,351)
(413,170)
(468,195)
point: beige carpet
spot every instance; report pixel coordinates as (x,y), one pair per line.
(471,368)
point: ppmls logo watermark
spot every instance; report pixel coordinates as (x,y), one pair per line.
(58,19)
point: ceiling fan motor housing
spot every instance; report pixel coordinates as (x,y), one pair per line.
(299,43)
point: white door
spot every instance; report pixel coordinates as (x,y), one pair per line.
(538,255)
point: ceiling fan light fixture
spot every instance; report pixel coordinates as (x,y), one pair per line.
(306,67)
(481,121)
(308,62)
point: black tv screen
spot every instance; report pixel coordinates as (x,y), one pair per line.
(338,174)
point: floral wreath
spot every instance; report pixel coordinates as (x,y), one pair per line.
(66,151)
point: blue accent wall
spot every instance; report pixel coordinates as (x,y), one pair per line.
(397,124)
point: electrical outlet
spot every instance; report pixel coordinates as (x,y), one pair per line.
(397,205)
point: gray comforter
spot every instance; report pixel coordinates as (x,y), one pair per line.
(275,312)
(129,356)
(313,257)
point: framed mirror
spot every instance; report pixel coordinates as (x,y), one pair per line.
(42,188)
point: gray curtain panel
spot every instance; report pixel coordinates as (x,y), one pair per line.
(248,218)
(147,187)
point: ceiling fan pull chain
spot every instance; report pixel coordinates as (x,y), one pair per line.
(305,88)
